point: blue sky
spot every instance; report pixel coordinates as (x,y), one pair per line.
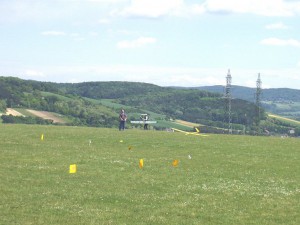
(163,42)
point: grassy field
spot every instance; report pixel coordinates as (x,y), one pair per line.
(220,179)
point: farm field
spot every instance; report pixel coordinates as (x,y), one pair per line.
(220,179)
(284,119)
(57,118)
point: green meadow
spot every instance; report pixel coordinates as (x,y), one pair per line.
(220,179)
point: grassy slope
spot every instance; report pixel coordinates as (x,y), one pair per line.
(228,180)
(294,122)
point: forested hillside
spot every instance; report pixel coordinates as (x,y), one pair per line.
(83,103)
(282,101)
(110,90)
(246,93)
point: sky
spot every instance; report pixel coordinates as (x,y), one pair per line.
(186,43)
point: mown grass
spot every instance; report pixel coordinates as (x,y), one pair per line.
(226,179)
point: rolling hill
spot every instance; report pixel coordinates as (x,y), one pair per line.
(98,103)
(282,101)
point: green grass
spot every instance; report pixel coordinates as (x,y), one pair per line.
(228,180)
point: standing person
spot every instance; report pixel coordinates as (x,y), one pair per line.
(123,118)
(145,122)
(144,118)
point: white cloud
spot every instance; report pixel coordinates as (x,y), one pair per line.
(281,42)
(38,11)
(136,43)
(197,9)
(160,8)
(34,10)
(53,33)
(152,8)
(279,25)
(265,8)
(107,1)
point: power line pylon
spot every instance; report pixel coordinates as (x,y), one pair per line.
(258,99)
(228,97)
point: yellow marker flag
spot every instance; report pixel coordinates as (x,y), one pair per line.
(175,162)
(141,164)
(73,168)
(42,137)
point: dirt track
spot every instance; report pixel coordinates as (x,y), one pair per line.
(42,114)
(46,115)
(10,111)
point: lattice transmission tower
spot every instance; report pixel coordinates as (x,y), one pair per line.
(228,97)
(258,99)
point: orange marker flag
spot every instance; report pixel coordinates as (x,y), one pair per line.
(141,164)
(175,162)
(73,168)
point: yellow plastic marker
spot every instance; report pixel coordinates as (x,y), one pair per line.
(175,162)
(73,168)
(42,137)
(141,164)
(121,141)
